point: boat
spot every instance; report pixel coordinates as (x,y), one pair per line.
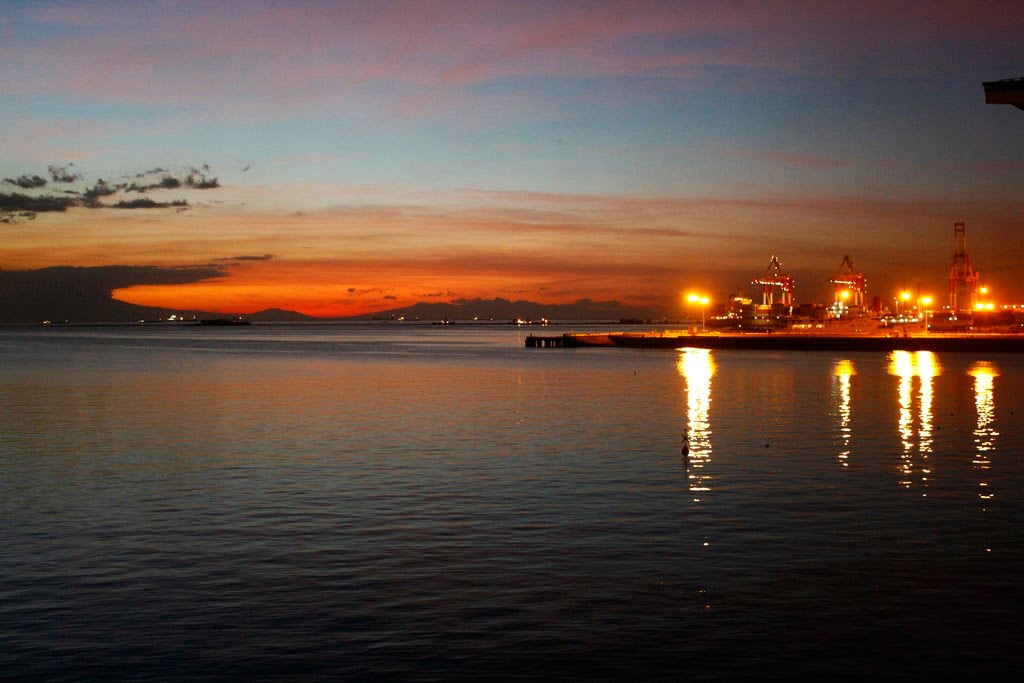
(224,322)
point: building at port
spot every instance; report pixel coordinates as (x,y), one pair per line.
(968,307)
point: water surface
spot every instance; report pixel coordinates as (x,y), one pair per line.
(437,502)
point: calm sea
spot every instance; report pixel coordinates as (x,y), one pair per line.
(436,502)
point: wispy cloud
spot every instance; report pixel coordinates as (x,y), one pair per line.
(260,257)
(324,50)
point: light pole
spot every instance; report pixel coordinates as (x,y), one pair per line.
(927,301)
(906,297)
(703,301)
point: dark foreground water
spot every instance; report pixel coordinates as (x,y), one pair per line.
(431,502)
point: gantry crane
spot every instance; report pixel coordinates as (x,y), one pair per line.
(963,280)
(850,287)
(774,277)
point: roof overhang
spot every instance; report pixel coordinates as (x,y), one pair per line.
(1008,91)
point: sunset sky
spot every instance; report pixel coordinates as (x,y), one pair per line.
(371,155)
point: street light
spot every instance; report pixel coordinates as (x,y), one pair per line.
(927,301)
(984,305)
(703,301)
(906,297)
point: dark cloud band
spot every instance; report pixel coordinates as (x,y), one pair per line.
(17,207)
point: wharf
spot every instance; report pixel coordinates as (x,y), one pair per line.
(786,341)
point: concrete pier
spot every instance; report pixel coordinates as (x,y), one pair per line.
(559,342)
(990,343)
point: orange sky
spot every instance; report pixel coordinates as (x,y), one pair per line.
(355,259)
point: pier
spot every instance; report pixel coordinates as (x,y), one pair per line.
(991,343)
(560,342)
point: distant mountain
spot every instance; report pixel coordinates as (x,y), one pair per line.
(279,315)
(505,310)
(84,295)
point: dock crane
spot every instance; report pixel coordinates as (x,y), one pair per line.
(850,287)
(963,279)
(774,277)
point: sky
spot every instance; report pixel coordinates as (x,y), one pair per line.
(340,158)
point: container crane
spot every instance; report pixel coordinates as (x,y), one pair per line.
(963,280)
(850,287)
(774,277)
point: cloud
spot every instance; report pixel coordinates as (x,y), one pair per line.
(163,179)
(101,189)
(165,183)
(262,257)
(199,180)
(27,182)
(84,294)
(17,207)
(146,203)
(340,55)
(389,297)
(61,174)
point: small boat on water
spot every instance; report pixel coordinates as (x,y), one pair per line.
(224,322)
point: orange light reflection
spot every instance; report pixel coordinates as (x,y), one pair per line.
(843,371)
(697,367)
(925,367)
(984,374)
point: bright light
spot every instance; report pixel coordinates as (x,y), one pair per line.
(703,301)
(926,300)
(984,290)
(845,294)
(905,296)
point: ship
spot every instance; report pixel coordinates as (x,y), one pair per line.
(224,322)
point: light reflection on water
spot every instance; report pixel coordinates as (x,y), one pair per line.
(697,367)
(843,371)
(440,503)
(984,374)
(923,366)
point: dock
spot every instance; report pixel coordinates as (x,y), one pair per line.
(560,342)
(784,341)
